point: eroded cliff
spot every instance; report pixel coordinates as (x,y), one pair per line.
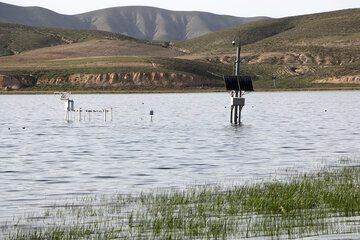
(129,79)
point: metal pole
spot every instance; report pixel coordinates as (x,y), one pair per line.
(66,109)
(274,80)
(79,114)
(237,73)
(111,114)
(67,115)
(238,49)
(236,109)
(240,108)
(105,114)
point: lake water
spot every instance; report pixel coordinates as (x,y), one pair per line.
(190,141)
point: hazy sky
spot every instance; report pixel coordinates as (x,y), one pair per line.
(249,8)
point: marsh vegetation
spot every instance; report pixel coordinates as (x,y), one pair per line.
(325,202)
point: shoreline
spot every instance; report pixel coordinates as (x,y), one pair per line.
(155,91)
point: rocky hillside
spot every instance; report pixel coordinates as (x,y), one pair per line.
(139,22)
(110,80)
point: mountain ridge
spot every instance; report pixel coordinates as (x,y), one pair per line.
(140,22)
(310,51)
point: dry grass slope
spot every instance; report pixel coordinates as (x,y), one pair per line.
(16,38)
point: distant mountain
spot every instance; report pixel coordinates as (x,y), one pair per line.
(140,22)
(36,16)
(159,24)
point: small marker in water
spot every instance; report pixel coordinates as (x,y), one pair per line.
(151,113)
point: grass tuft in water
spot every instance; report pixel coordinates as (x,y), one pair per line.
(323,203)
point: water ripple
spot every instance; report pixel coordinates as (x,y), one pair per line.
(187,142)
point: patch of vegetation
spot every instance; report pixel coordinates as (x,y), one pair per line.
(326,202)
(15,38)
(200,68)
(285,34)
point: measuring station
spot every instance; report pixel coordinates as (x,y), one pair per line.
(81,113)
(237,85)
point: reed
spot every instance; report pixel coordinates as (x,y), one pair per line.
(325,202)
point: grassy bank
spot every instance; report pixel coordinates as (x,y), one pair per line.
(287,77)
(110,90)
(326,202)
(139,90)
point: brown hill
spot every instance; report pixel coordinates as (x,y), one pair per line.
(96,48)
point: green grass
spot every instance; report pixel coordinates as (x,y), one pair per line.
(325,202)
(15,38)
(284,34)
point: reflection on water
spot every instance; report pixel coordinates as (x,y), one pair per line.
(189,141)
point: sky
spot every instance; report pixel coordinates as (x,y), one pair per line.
(249,8)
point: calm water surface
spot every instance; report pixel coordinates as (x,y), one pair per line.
(189,141)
